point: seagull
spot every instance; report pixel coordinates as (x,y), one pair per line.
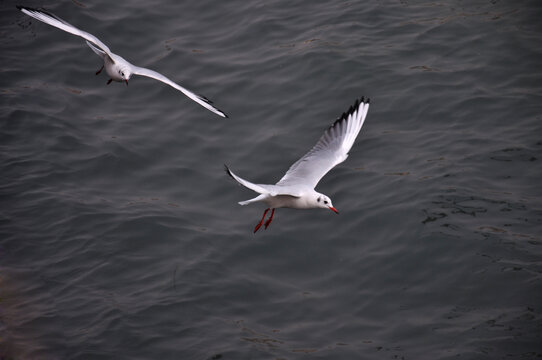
(116,67)
(296,188)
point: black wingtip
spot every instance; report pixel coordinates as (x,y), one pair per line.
(228,171)
(205,99)
(355,107)
(351,110)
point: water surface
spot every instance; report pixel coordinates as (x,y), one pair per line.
(120,233)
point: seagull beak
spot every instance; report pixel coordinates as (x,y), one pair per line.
(333,209)
(126,82)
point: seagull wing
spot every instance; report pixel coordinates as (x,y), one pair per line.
(272,190)
(55,21)
(330,150)
(203,101)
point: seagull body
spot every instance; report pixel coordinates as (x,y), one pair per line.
(116,67)
(296,188)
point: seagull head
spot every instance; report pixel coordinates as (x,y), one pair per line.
(322,201)
(125,74)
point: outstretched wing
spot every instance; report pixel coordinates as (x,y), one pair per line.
(262,189)
(330,150)
(266,189)
(57,22)
(203,101)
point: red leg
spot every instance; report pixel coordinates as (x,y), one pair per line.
(261,221)
(109,81)
(270,218)
(99,71)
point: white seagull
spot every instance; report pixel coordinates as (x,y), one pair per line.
(296,188)
(116,67)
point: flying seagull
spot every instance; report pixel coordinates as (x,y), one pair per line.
(116,67)
(296,188)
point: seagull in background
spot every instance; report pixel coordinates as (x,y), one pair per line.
(116,67)
(296,188)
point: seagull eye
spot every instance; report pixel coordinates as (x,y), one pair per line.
(325,201)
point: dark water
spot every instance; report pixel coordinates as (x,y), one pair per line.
(120,233)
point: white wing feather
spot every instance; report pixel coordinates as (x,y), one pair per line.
(203,101)
(330,150)
(266,189)
(63,25)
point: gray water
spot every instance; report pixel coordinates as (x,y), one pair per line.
(120,233)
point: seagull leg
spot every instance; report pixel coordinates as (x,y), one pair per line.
(109,81)
(99,71)
(261,221)
(270,218)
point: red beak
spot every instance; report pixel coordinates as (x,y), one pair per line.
(333,209)
(126,82)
